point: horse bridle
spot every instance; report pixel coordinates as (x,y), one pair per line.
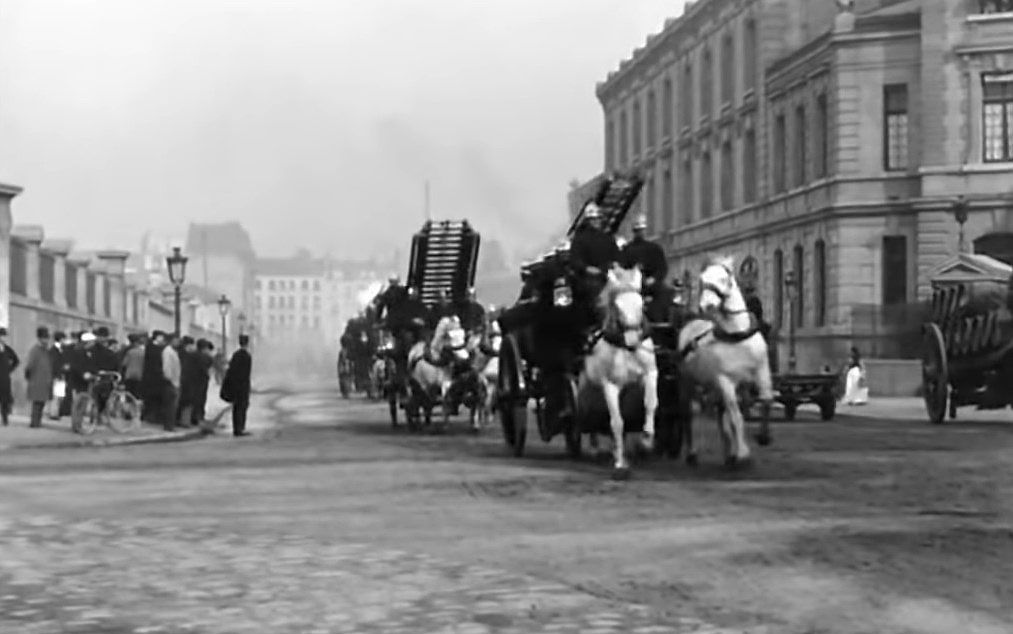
(724,295)
(615,329)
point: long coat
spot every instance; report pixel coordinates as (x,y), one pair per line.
(9,362)
(236,384)
(39,373)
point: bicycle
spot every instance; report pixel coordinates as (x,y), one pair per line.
(122,411)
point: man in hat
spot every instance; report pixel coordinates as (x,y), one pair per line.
(592,254)
(83,368)
(59,358)
(105,355)
(472,313)
(9,362)
(649,256)
(189,382)
(236,386)
(153,378)
(204,363)
(39,374)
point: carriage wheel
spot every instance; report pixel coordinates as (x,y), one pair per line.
(935,374)
(790,409)
(573,433)
(513,411)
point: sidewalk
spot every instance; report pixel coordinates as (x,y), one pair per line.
(57,434)
(913,409)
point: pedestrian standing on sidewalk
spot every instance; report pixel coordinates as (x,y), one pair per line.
(58,359)
(9,362)
(39,374)
(204,362)
(133,366)
(236,386)
(153,379)
(170,388)
(189,369)
(83,367)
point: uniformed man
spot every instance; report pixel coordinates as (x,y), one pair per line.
(472,313)
(592,254)
(390,304)
(648,255)
(442,308)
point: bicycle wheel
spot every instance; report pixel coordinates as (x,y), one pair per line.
(86,414)
(123,413)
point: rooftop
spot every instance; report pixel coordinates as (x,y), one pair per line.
(228,238)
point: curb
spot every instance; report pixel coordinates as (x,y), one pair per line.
(189,434)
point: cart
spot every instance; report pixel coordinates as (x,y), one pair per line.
(967,342)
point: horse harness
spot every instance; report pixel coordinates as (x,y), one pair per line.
(721,335)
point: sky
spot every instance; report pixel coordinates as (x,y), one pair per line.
(314,123)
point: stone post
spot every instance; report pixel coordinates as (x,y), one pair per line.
(32,236)
(7,194)
(115,265)
(81,262)
(59,250)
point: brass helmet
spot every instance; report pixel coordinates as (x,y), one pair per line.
(640,223)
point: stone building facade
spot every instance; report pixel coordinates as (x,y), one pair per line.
(833,139)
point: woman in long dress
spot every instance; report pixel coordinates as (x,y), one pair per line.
(856,392)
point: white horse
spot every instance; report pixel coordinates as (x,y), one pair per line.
(622,356)
(431,376)
(724,351)
(486,362)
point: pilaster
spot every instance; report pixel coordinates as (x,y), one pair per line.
(7,194)
(32,236)
(59,250)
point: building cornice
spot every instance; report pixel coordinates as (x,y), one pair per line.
(874,36)
(968,50)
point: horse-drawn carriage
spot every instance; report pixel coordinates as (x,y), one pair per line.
(967,356)
(443,264)
(542,353)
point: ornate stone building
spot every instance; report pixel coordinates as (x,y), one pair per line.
(832,139)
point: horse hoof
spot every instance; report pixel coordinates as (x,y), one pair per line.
(692,460)
(764,440)
(738,464)
(620,473)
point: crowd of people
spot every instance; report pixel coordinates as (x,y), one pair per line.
(169,374)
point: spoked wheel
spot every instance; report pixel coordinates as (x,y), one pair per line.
(935,373)
(123,412)
(86,413)
(513,410)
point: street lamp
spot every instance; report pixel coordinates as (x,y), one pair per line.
(177,275)
(223,310)
(791,287)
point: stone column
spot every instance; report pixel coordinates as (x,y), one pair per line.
(7,194)
(32,236)
(59,250)
(115,264)
(81,262)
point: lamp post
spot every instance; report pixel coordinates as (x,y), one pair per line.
(223,310)
(791,287)
(177,275)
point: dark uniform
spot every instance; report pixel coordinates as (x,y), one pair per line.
(591,247)
(472,316)
(650,257)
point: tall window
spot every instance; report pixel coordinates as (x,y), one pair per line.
(820,281)
(107,297)
(997,90)
(750,54)
(667,211)
(70,284)
(647,202)
(895,127)
(822,137)
(666,107)
(778,288)
(652,119)
(89,290)
(749,166)
(638,129)
(779,154)
(47,277)
(894,270)
(610,145)
(270,285)
(799,266)
(706,185)
(801,146)
(687,96)
(687,189)
(707,84)
(19,268)
(727,177)
(995,6)
(316,285)
(727,69)
(624,141)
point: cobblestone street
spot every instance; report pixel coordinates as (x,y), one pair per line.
(335,522)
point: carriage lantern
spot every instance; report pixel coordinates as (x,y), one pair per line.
(791,287)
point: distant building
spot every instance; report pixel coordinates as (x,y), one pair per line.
(304,295)
(828,139)
(222,260)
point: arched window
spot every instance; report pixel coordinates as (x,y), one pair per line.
(707,84)
(750,54)
(610,145)
(799,266)
(652,120)
(687,96)
(801,146)
(638,129)
(706,185)
(270,285)
(728,69)
(727,177)
(667,207)
(778,314)
(687,189)
(666,107)
(749,184)
(820,281)
(624,147)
